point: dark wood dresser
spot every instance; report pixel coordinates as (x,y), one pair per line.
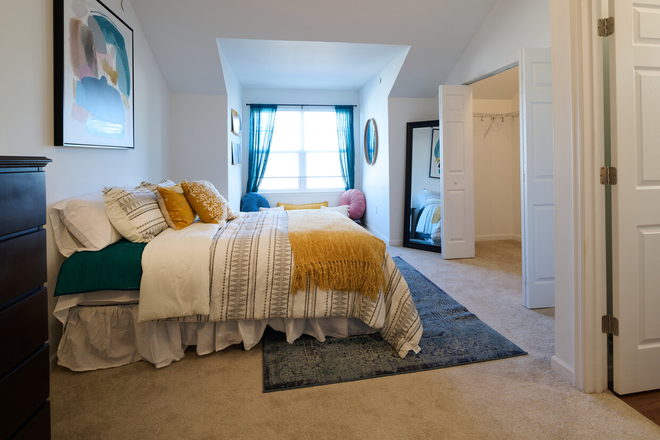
(24,352)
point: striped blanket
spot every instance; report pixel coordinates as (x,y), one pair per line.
(250,267)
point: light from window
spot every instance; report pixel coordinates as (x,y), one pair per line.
(304,152)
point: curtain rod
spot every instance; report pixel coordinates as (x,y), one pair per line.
(300,105)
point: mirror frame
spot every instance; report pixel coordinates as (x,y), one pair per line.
(366,131)
(408,197)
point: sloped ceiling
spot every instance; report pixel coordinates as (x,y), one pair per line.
(183,36)
(504,85)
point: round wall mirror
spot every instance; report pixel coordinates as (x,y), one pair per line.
(371,141)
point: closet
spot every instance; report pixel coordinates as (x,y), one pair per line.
(496,121)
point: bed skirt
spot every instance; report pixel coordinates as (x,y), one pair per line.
(109,336)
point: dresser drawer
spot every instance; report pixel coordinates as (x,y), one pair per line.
(24,328)
(23,392)
(23,265)
(38,428)
(23,202)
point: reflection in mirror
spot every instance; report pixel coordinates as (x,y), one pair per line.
(422,221)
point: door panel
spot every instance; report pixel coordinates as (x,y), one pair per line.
(635,109)
(456,131)
(537,186)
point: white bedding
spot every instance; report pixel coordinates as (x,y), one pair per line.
(97,337)
(250,268)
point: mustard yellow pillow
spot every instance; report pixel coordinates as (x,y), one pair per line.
(289,206)
(175,208)
(207,202)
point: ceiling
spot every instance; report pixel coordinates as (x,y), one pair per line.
(183,38)
(504,85)
(305,64)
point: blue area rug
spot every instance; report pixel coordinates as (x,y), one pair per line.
(452,336)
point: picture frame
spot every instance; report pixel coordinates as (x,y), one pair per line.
(235,122)
(236,153)
(93,76)
(435,162)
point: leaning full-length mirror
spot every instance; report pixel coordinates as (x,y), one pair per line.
(423,187)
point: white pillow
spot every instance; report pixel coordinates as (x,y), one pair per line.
(340,209)
(81,224)
(277,208)
(432,197)
(135,213)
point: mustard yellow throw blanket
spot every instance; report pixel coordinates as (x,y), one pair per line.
(334,253)
(437,214)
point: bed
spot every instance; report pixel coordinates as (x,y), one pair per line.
(213,286)
(427,223)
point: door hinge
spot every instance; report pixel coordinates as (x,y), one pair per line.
(605,26)
(608,176)
(610,325)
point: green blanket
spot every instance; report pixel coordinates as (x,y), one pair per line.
(117,267)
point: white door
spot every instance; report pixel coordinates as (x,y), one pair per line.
(537,179)
(635,115)
(457,172)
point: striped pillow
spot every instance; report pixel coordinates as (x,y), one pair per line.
(134,213)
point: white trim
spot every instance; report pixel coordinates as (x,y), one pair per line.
(518,238)
(53,361)
(562,369)
(378,234)
(581,136)
(396,243)
(496,237)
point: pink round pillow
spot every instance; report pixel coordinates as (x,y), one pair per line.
(356,202)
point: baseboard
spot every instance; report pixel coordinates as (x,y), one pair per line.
(494,237)
(518,238)
(562,369)
(396,243)
(377,234)
(53,361)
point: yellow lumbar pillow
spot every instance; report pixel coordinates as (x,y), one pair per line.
(207,202)
(175,208)
(289,206)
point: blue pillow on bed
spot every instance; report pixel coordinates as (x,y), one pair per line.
(251,202)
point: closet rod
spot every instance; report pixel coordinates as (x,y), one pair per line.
(495,115)
(301,105)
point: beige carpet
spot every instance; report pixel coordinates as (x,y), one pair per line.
(219,396)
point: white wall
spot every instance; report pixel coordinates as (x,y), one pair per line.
(515,170)
(234,102)
(374,103)
(510,26)
(26,117)
(198,139)
(312,97)
(495,173)
(402,111)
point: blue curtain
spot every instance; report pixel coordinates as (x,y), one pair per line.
(262,123)
(346,144)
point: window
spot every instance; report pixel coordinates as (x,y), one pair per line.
(304,152)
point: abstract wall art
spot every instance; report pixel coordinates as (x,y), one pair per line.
(94,89)
(235,122)
(236,154)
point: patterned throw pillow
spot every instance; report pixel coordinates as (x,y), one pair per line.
(290,206)
(175,208)
(134,213)
(340,209)
(152,186)
(207,202)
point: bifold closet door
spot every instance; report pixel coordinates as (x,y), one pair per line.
(537,166)
(457,172)
(635,116)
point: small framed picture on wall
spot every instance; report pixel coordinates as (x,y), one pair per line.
(235,122)
(435,166)
(236,153)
